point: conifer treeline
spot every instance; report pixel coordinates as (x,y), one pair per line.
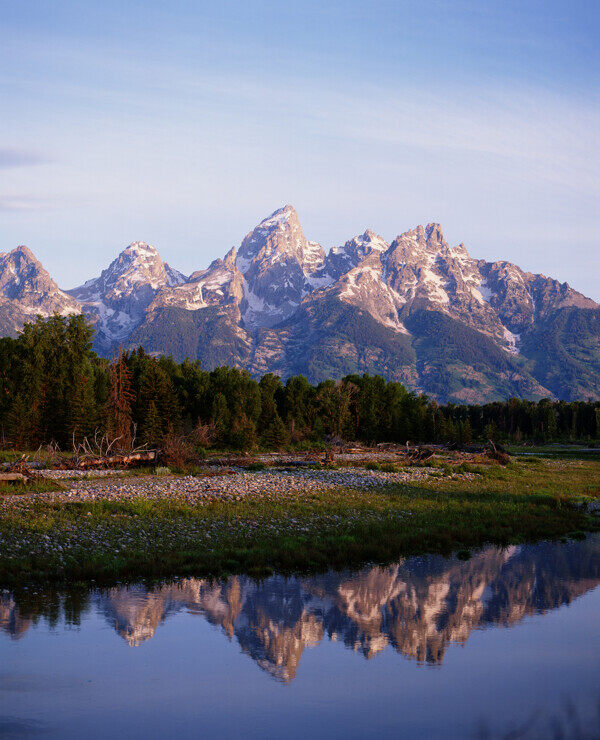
(55,389)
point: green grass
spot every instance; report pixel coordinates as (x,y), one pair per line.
(38,486)
(41,455)
(125,540)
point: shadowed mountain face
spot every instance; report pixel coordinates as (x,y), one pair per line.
(415,310)
(416,607)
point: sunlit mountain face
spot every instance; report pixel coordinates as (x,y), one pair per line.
(415,310)
(416,607)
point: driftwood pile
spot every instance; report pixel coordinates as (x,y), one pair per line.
(118,460)
(103,452)
(19,471)
(496,452)
(419,454)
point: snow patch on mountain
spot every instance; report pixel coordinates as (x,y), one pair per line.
(433,283)
(257,311)
(512,340)
(174,277)
(485,292)
(28,288)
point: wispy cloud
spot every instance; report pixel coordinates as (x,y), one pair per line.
(13,157)
(20,203)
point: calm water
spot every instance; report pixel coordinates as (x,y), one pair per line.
(428,648)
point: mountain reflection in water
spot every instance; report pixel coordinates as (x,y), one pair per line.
(416,607)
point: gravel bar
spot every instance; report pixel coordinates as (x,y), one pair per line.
(232,487)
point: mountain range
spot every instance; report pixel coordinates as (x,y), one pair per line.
(414,310)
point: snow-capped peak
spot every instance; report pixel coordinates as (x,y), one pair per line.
(119,296)
(279,217)
(137,268)
(279,239)
(141,248)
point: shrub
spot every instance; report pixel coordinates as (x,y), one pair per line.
(177,452)
(203,435)
(255,466)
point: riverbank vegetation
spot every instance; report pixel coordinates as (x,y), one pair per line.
(332,527)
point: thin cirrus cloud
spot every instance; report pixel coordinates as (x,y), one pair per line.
(16,204)
(13,157)
(184,125)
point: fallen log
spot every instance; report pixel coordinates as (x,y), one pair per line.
(132,459)
(13,478)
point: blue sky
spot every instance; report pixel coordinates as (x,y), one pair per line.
(184,123)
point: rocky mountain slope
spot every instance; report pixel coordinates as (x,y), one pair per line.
(117,300)
(415,310)
(26,290)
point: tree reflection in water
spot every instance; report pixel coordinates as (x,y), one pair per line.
(417,606)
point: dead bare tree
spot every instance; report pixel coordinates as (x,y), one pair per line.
(104,450)
(120,398)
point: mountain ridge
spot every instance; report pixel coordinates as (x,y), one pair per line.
(414,309)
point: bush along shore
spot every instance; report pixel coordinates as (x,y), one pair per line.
(119,526)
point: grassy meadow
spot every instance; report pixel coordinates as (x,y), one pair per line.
(108,541)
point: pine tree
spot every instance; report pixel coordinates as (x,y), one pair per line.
(152,430)
(275,435)
(19,423)
(155,391)
(220,417)
(467,432)
(81,419)
(243,433)
(490,432)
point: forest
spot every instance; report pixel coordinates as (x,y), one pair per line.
(55,389)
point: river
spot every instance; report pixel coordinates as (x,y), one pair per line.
(428,647)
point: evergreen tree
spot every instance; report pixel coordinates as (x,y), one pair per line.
(490,432)
(220,418)
(275,435)
(153,428)
(243,433)
(82,408)
(19,424)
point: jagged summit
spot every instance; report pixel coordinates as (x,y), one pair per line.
(21,251)
(279,217)
(138,265)
(26,289)
(416,309)
(117,299)
(276,260)
(279,238)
